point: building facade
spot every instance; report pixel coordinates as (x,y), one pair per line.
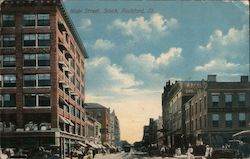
(114,129)
(102,115)
(159,133)
(173,110)
(93,132)
(42,76)
(204,112)
(145,138)
(218,111)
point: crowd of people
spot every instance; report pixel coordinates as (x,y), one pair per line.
(190,152)
(53,153)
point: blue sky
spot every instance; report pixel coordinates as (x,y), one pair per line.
(137,47)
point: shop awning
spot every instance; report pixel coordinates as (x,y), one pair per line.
(100,146)
(113,147)
(63,120)
(242,133)
(70,123)
(82,144)
(92,144)
(108,146)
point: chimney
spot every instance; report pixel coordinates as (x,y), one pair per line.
(211,78)
(244,79)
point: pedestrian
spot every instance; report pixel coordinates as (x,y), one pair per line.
(210,152)
(190,152)
(178,152)
(207,151)
(94,153)
(163,150)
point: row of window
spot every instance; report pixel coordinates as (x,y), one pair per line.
(29,60)
(32,80)
(37,100)
(36,80)
(30,100)
(29,40)
(29,20)
(74,129)
(229,120)
(228,99)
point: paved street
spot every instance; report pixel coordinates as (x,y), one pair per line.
(124,155)
(130,155)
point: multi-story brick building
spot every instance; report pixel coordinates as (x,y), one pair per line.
(41,75)
(114,129)
(102,115)
(145,138)
(93,132)
(218,111)
(204,111)
(173,109)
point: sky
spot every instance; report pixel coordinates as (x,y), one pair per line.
(135,46)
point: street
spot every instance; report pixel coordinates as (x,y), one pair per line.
(131,155)
(127,155)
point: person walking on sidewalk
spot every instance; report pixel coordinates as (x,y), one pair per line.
(190,152)
(163,150)
(208,152)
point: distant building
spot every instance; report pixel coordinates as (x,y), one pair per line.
(93,131)
(102,115)
(173,111)
(218,111)
(114,129)
(159,133)
(205,112)
(153,134)
(41,76)
(145,138)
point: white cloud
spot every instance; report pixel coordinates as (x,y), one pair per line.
(102,44)
(225,54)
(141,27)
(245,2)
(86,24)
(153,69)
(167,57)
(128,80)
(148,61)
(233,37)
(217,65)
(107,77)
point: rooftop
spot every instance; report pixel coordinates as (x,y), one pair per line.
(94,106)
